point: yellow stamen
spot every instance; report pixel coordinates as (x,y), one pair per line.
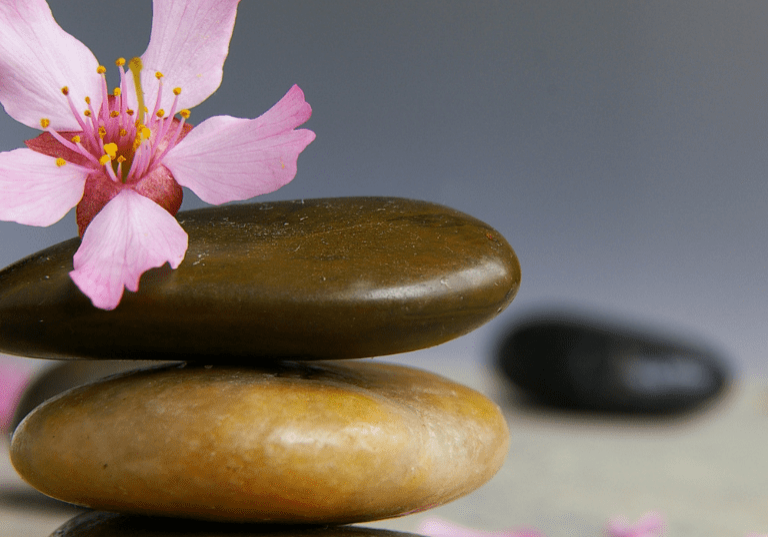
(160,113)
(120,62)
(158,75)
(75,139)
(104,159)
(121,159)
(177,91)
(122,132)
(102,132)
(111,150)
(60,162)
(145,132)
(87,113)
(129,112)
(184,113)
(65,90)
(101,69)
(135,66)
(44,123)
(87,100)
(116,92)
(114,113)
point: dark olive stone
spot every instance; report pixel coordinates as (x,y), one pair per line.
(308,279)
(101,524)
(573,362)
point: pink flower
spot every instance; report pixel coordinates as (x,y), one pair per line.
(120,162)
(437,527)
(650,525)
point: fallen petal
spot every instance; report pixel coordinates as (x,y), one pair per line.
(35,190)
(37,59)
(130,235)
(650,525)
(437,527)
(228,159)
(188,44)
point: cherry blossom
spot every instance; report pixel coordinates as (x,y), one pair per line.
(121,157)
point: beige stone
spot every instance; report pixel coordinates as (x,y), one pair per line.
(101,524)
(323,442)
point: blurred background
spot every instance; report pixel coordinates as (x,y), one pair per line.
(620,147)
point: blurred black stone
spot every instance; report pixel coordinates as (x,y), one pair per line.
(572,363)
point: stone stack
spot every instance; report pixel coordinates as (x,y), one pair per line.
(258,419)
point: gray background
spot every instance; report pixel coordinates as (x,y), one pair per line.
(619,146)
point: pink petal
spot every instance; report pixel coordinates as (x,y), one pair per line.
(437,527)
(37,59)
(650,525)
(130,235)
(188,44)
(13,380)
(226,159)
(35,191)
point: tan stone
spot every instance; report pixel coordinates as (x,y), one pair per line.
(324,442)
(100,524)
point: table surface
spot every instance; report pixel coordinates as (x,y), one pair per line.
(566,474)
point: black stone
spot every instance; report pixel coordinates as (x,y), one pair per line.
(102,524)
(573,363)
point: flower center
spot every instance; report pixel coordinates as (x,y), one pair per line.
(127,144)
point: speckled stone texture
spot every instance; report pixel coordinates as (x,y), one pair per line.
(309,442)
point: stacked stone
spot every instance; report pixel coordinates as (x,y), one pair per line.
(262,417)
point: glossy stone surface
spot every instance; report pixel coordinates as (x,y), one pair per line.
(314,279)
(575,362)
(60,376)
(319,442)
(100,524)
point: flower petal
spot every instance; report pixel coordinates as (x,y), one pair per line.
(35,191)
(37,59)
(131,235)
(438,527)
(13,380)
(188,44)
(227,159)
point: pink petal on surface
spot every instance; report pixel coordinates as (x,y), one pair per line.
(35,191)
(650,525)
(227,159)
(188,44)
(131,235)
(37,59)
(437,527)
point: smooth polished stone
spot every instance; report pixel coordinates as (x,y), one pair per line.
(301,442)
(101,524)
(315,279)
(61,376)
(576,362)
